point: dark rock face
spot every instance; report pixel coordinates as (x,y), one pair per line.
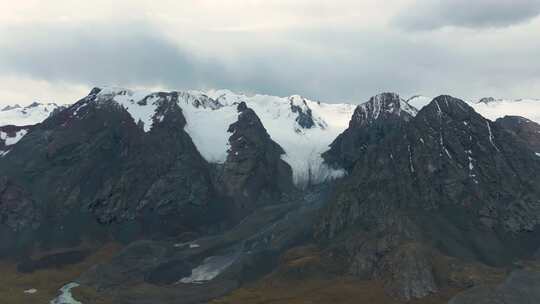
(92,160)
(487,100)
(253,174)
(448,179)
(524,128)
(17,209)
(370,123)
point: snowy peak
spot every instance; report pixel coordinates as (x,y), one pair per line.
(9,107)
(381,107)
(487,100)
(497,108)
(28,115)
(305,118)
(303,128)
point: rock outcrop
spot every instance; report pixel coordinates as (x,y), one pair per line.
(524,128)
(370,123)
(254,174)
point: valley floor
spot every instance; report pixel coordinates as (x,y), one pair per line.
(48,281)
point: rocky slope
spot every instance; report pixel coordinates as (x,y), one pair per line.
(254,173)
(438,185)
(524,128)
(93,165)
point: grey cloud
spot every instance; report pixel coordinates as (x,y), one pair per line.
(322,64)
(130,54)
(434,14)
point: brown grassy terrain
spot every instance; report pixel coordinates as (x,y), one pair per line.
(302,278)
(341,290)
(46,281)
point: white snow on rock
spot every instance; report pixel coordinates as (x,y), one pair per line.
(29,115)
(209,269)
(9,141)
(65,296)
(303,147)
(132,101)
(209,115)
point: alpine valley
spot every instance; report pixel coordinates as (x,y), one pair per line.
(191,197)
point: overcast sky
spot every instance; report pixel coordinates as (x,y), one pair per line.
(340,50)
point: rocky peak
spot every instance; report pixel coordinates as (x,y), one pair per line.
(448,106)
(370,123)
(200,100)
(9,107)
(254,173)
(487,100)
(381,107)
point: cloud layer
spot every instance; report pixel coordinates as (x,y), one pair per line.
(343,52)
(434,14)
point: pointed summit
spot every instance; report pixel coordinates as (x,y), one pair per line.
(254,173)
(370,123)
(381,107)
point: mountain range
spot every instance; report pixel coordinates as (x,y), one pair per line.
(211,192)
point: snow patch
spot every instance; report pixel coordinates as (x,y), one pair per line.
(491,136)
(30,291)
(140,105)
(209,269)
(10,141)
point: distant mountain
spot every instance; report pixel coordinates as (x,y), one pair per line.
(28,115)
(493,108)
(496,108)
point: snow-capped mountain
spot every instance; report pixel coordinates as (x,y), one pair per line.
(25,116)
(302,127)
(492,108)
(496,108)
